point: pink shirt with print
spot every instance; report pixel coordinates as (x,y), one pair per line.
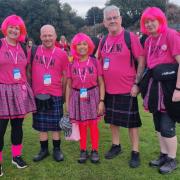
(89,73)
(57,67)
(163,48)
(120,75)
(8,55)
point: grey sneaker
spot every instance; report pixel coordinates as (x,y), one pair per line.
(169,166)
(113,152)
(83,156)
(94,156)
(135,160)
(158,162)
(1,170)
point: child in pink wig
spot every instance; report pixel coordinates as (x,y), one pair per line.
(16,96)
(85,94)
(162,47)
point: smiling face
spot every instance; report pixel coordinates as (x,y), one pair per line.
(112,22)
(48,36)
(152,26)
(13,32)
(82,48)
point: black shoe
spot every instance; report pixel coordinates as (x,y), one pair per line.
(1,170)
(158,162)
(58,155)
(19,162)
(169,166)
(135,160)
(113,152)
(94,156)
(83,156)
(41,155)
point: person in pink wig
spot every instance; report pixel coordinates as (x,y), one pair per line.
(16,96)
(161,47)
(85,94)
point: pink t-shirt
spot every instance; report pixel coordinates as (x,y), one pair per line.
(120,75)
(90,70)
(162,49)
(10,71)
(48,79)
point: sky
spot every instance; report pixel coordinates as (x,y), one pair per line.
(82,6)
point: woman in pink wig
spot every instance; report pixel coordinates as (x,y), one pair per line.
(161,47)
(85,94)
(16,96)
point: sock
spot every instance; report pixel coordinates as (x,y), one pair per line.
(16,150)
(44,145)
(56,143)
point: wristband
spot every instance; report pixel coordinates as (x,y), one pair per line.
(178,89)
(101,100)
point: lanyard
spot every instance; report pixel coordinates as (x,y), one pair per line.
(47,64)
(83,78)
(150,46)
(14,58)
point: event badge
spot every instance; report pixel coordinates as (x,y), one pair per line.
(47,79)
(83,93)
(16,74)
(106,63)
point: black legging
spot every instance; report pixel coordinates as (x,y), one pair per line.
(16,131)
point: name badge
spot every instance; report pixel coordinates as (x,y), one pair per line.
(16,74)
(106,63)
(47,79)
(83,93)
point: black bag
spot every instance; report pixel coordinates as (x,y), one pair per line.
(44,102)
(165,72)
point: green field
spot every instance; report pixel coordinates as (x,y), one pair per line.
(105,170)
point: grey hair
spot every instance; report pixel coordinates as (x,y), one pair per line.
(109,9)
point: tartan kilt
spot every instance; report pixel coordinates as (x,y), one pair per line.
(122,110)
(49,120)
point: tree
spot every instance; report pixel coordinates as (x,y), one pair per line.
(94,16)
(131,9)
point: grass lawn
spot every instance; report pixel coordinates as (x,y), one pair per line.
(105,170)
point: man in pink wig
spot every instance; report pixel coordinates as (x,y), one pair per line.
(162,47)
(16,96)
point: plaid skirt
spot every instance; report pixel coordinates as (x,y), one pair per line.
(49,120)
(122,110)
(16,100)
(83,110)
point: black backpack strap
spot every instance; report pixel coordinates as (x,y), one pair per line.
(0,43)
(23,46)
(103,42)
(33,53)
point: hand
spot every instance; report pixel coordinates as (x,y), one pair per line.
(176,96)
(134,90)
(101,108)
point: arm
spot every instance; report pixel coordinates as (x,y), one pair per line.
(67,94)
(176,94)
(140,70)
(29,73)
(101,108)
(64,82)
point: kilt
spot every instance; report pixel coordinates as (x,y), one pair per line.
(16,100)
(80,110)
(122,110)
(49,120)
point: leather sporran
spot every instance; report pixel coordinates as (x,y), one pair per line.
(44,102)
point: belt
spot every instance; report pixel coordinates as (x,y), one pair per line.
(85,88)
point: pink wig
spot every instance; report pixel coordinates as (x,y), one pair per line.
(14,20)
(79,38)
(153,13)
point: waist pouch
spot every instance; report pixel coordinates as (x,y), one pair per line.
(44,102)
(165,72)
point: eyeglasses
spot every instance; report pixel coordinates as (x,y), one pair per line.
(112,18)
